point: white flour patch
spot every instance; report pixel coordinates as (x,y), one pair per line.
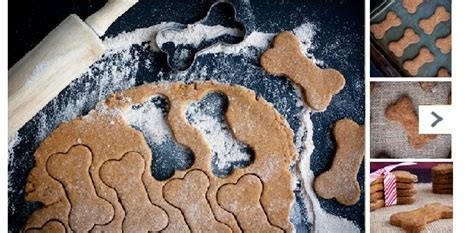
(150,120)
(226,148)
(195,34)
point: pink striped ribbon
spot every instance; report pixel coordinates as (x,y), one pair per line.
(389,182)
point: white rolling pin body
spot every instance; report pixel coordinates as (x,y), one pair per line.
(62,56)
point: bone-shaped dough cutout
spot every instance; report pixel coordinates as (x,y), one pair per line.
(391,20)
(440,15)
(125,177)
(398,47)
(403,112)
(72,171)
(189,195)
(444,44)
(243,200)
(340,181)
(411,5)
(50,226)
(416,220)
(413,66)
(285,58)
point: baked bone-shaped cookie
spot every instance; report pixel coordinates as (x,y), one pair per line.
(428,86)
(444,44)
(340,181)
(50,226)
(125,177)
(189,195)
(411,5)
(416,220)
(72,171)
(398,47)
(243,200)
(443,72)
(391,20)
(405,176)
(285,58)
(413,66)
(403,112)
(440,15)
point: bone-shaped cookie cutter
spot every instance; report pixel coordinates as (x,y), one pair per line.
(161,37)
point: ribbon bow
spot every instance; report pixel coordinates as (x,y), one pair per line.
(389,182)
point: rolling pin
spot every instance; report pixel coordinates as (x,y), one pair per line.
(62,56)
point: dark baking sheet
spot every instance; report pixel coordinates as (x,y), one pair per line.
(425,10)
(339,43)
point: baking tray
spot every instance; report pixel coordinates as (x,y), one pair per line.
(425,10)
(339,42)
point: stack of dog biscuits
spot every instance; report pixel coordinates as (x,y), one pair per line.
(442,178)
(406,192)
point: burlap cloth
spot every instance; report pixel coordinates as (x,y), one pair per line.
(388,139)
(380,219)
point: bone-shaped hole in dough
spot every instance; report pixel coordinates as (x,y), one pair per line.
(72,171)
(219,26)
(189,195)
(207,115)
(151,119)
(125,177)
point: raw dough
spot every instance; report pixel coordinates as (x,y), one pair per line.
(340,181)
(120,155)
(285,58)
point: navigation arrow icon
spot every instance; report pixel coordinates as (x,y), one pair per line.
(438,119)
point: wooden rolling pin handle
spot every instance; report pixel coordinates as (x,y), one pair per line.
(103,18)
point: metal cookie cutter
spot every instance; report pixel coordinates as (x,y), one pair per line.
(182,43)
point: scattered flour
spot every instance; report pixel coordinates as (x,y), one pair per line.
(195,34)
(227,150)
(322,221)
(149,119)
(117,71)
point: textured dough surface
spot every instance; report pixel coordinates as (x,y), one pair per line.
(414,65)
(444,44)
(416,220)
(440,15)
(285,58)
(398,47)
(403,112)
(340,181)
(120,167)
(411,5)
(391,20)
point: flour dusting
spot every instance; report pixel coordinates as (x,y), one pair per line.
(195,34)
(207,116)
(150,120)
(120,65)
